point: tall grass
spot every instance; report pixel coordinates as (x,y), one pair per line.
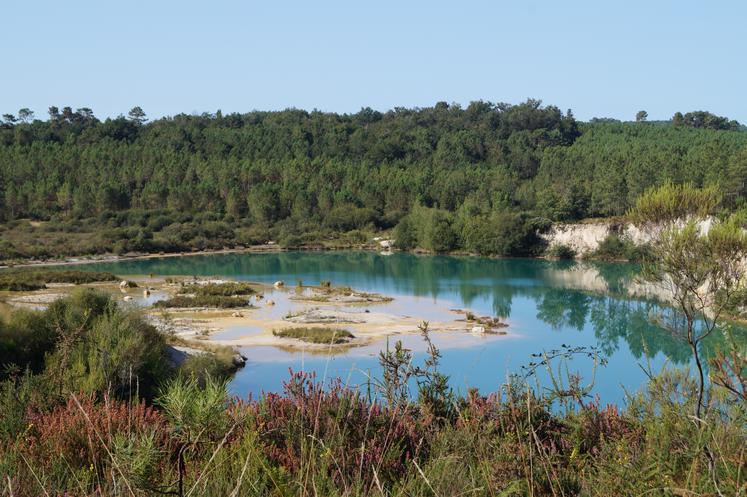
(315,439)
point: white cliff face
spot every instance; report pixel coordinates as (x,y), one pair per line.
(586,237)
(582,237)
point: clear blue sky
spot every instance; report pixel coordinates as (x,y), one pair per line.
(599,58)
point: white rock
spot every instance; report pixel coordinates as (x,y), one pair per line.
(279,284)
(478,329)
(586,237)
(127,298)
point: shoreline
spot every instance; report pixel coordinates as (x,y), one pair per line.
(273,249)
(110,258)
(371,318)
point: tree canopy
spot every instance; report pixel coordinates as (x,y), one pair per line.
(475,166)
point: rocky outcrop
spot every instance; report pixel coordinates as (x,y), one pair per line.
(582,238)
(586,237)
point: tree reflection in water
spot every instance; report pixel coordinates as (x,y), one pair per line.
(567,295)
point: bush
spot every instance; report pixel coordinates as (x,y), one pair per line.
(25,338)
(216,301)
(316,334)
(101,347)
(432,229)
(405,235)
(354,237)
(616,248)
(349,217)
(121,354)
(18,280)
(85,343)
(291,242)
(503,234)
(213,364)
(71,443)
(227,289)
(561,252)
(439,235)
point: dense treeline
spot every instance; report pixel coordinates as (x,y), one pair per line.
(189,181)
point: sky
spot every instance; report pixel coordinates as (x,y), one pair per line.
(598,58)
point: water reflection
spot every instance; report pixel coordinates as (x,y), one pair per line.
(565,297)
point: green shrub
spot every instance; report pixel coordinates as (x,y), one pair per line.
(25,338)
(432,229)
(405,235)
(291,242)
(561,252)
(227,289)
(120,353)
(35,279)
(616,248)
(208,365)
(503,234)
(316,334)
(349,217)
(216,301)
(85,343)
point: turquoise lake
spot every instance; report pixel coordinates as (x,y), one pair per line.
(546,304)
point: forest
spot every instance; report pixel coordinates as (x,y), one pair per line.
(480,179)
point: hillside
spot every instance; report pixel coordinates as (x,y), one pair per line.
(481,178)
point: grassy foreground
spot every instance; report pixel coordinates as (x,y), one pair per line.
(95,408)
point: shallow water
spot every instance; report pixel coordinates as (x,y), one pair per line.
(547,304)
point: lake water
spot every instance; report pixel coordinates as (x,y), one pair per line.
(547,304)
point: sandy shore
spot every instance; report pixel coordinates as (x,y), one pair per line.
(369,317)
(368,320)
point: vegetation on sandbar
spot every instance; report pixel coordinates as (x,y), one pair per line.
(316,334)
(225,289)
(21,280)
(210,301)
(325,292)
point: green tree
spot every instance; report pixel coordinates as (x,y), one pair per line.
(26,115)
(700,269)
(137,115)
(405,234)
